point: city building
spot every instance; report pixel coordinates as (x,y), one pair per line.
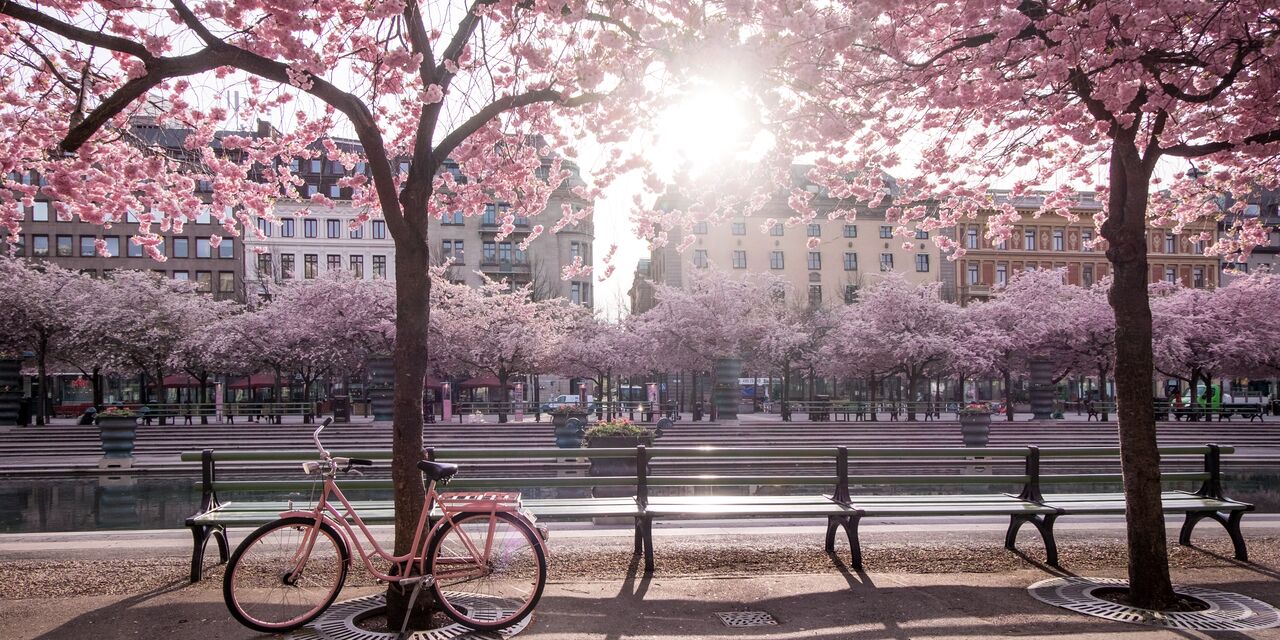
(1053,242)
(1264,205)
(850,254)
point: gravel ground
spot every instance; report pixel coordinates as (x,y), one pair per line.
(676,557)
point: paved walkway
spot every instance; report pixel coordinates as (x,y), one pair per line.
(943,580)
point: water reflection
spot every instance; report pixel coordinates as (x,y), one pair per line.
(149,502)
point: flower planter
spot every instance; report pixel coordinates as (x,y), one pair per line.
(615,467)
(975,429)
(117,435)
(569,435)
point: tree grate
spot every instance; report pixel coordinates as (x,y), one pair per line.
(747,618)
(339,622)
(1226,612)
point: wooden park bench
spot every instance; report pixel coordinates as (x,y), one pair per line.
(836,494)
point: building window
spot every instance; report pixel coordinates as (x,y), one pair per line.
(850,261)
(813,230)
(921,234)
(580,293)
(264,265)
(815,295)
(922,263)
(1170,246)
(453,218)
(295,164)
(65,247)
(1086,238)
(404,167)
(379,229)
(286,227)
(1002,274)
(203,248)
(226,282)
(310,265)
(578,250)
(379,267)
(776,230)
(504,252)
(134,250)
(332,262)
(815,260)
(700,258)
(204,281)
(452,249)
(357,266)
(310,228)
(700,227)
(1057,240)
(181,248)
(356,232)
(181,276)
(851,231)
(1170,274)
(1086,275)
(227,248)
(489,251)
(886,231)
(113,246)
(315,166)
(203,215)
(312,190)
(286,266)
(88,248)
(886,262)
(1197,277)
(972,274)
(490,218)
(264,227)
(775,260)
(971,238)
(335,191)
(40,212)
(1029,238)
(739,228)
(335,167)
(739,259)
(333,228)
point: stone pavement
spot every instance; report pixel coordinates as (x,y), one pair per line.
(924,580)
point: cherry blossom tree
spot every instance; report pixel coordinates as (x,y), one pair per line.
(41,308)
(1253,304)
(453,105)
(786,337)
(1086,340)
(855,350)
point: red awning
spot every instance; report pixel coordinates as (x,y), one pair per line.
(180,380)
(256,381)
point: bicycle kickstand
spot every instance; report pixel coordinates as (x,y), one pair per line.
(418,581)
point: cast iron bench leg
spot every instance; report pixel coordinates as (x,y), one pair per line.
(648,545)
(201,534)
(1043,524)
(1230,522)
(855,547)
(833,522)
(639,548)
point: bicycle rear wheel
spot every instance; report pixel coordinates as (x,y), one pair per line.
(493,593)
(260,587)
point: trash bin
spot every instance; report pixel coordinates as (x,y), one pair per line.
(341,408)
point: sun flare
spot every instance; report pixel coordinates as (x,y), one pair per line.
(702,130)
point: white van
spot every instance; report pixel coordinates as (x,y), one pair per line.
(566,399)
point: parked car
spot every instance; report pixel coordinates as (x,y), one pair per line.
(566,399)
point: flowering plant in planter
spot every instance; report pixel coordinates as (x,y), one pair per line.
(568,409)
(975,409)
(117,412)
(620,427)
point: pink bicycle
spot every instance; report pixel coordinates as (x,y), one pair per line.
(485,557)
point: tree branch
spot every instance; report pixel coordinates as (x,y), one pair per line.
(496,108)
(72,32)
(1209,148)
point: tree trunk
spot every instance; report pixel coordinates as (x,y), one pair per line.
(97,387)
(912,382)
(413,287)
(872,388)
(504,396)
(42,375)
(203,395)
(1007,378)
(1125,232)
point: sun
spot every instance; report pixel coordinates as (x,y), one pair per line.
(701,130)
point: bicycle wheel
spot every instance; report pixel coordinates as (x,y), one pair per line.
(492,593)
(259,588)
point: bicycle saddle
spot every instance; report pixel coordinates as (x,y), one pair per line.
(437,470)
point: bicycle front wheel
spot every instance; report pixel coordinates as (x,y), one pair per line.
(493,591)
(274,583)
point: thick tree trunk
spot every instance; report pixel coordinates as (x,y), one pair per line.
(413,287)
(97,388)
(912,382)
(504,396)
(1007,378)
(1125,232)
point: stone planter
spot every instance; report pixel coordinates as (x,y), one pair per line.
(117,435)
(568,428)
(975,428)
(615,467)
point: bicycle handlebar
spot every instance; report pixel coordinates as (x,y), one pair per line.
(316,437)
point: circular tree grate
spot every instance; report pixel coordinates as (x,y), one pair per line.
(339,622)
(1226,612)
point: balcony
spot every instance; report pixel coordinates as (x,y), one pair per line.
(972,291)
(504,266)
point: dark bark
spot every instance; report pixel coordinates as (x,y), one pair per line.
(97,387)
(913,379)
(42,372)
(1125,233)
(504,395)
(1007,378)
